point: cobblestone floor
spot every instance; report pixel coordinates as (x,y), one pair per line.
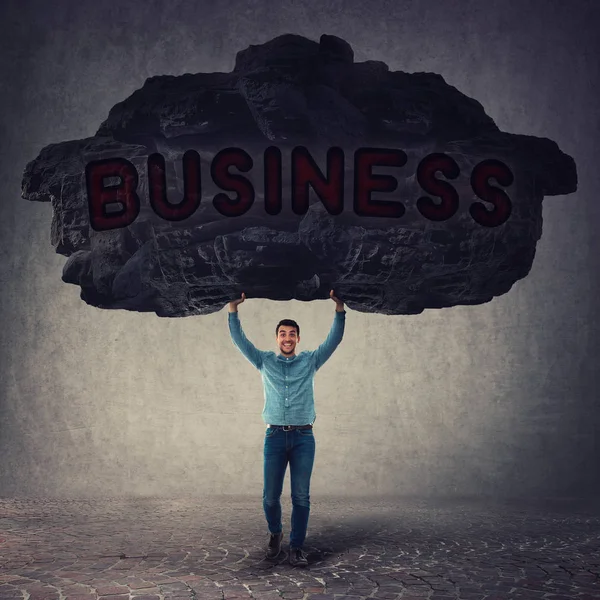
(213,548)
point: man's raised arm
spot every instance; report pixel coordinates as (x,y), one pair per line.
(325,350)
(246,347)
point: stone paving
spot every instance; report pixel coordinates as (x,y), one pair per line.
(213,548)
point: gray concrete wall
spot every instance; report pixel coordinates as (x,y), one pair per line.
(499,399)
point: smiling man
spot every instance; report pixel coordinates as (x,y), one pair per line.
(289,413)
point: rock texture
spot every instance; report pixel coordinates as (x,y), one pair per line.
(288,92)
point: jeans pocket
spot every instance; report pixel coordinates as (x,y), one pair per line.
(305,432)
(270,431)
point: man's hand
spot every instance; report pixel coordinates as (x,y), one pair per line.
(339,305)
(234,303)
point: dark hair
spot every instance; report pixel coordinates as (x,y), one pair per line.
(289,323)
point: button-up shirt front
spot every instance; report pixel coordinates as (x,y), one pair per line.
(288,381)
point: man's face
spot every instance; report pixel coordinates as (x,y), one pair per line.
(287,339)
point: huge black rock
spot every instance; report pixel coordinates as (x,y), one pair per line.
(293,91)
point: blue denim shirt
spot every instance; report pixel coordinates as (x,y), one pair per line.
(288,381)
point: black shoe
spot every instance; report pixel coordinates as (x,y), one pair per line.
(298,558)
(274,546)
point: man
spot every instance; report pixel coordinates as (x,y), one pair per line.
(289,412)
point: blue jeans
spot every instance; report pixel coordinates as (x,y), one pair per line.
(298,448)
